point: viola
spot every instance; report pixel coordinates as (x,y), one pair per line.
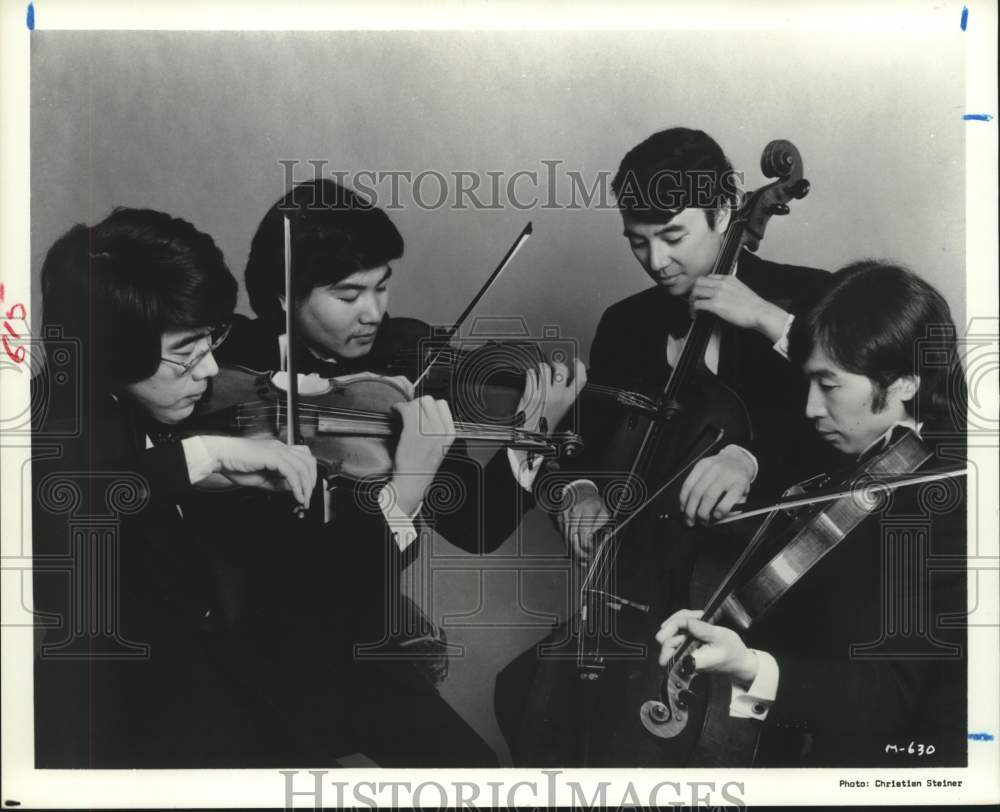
(691,712)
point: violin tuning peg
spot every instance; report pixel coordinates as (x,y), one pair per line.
(800,189)
(550,466)
(571,444)
(779,208)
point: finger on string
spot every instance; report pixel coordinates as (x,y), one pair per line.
(702,630)
(444,413)
(428,412)
(681,615)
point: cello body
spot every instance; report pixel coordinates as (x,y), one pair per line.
(594,670)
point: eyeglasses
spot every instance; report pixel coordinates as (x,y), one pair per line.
(215,338)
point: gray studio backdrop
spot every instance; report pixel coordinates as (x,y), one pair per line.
(196,124)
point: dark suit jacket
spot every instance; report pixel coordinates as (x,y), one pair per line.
(629,351)
(871,643)
(127,673)
(189,630)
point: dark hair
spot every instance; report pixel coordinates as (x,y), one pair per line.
(672,170)
(882,321)
(334,233)
(119,285)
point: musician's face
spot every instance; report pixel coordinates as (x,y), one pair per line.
(170,393)
(674,254)
(341,320)
(842,404)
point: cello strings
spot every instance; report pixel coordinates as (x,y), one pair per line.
(607,549)
(598,562)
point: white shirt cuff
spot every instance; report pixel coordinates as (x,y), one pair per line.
(578,490)
(403,531)
(755,701)
(199,461)
(524,472)
(753,459)
(781,345)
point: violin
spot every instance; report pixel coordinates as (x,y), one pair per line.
(348,423)
(690,714)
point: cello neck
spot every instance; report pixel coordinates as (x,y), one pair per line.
(703,324)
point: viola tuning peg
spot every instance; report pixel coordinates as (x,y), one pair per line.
(800,189)
(687,666)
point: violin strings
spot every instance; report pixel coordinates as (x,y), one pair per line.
(268,410)
(470,431)
(376,420)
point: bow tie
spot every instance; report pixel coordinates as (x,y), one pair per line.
(677,317)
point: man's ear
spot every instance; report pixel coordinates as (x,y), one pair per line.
(723,214)
(905,388)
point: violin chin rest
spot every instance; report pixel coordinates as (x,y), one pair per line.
(311,384)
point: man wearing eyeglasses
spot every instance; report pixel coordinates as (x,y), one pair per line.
(127,672)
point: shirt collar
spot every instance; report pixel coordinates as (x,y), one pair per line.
(881,442)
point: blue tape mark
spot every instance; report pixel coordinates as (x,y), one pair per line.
(981,737)
(31,17)
(965,17)
(977,117)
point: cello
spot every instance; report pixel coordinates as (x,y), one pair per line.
(632,578)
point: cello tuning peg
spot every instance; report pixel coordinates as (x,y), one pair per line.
(800,189)
(779,208)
